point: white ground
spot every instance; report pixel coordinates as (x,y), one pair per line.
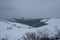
(15,33)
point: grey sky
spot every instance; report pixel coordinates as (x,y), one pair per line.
(30,8)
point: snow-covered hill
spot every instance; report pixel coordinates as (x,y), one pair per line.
(16,31)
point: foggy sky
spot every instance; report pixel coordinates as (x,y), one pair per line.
(29,8)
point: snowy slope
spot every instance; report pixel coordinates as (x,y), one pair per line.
(15,31)
(12,30)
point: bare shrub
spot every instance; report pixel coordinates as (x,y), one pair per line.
(58,36)
(9,28)
(33,36)
(30,36)
(6,38)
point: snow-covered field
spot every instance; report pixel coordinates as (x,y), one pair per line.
(16,31)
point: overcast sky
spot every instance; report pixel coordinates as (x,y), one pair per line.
(29,8)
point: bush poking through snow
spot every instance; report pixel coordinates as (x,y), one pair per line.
(5,38)
(29,36)
(42,36)
(33,36)
(9,28)
(57,36)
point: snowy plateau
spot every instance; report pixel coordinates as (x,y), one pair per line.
(17,31)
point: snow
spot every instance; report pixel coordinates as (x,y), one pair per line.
(44,20)
(16,33)
(55,22)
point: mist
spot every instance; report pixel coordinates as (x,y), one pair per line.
(29,8)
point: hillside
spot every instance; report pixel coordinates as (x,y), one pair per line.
(17,31)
